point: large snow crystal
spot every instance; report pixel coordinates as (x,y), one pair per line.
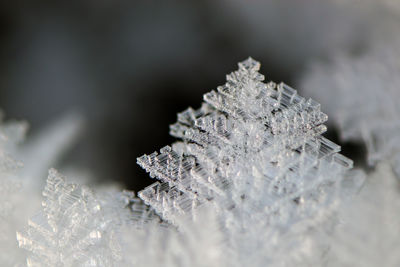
(253,154)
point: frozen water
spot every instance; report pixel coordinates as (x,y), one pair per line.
(253,153)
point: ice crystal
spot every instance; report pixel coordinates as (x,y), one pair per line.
(254,155)
(20,178)
(72,229)
(361,95)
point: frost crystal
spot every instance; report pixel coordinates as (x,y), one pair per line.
(71,230)
(254,155)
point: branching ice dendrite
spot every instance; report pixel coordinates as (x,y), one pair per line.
(19,178)
(253,154)
(78,228)
(72,230)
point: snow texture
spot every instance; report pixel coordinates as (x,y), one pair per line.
(153,244)
(10,198)
(361,95)
(369,232)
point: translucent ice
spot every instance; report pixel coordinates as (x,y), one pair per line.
(254,155)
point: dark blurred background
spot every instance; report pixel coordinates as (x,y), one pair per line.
(130,66)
